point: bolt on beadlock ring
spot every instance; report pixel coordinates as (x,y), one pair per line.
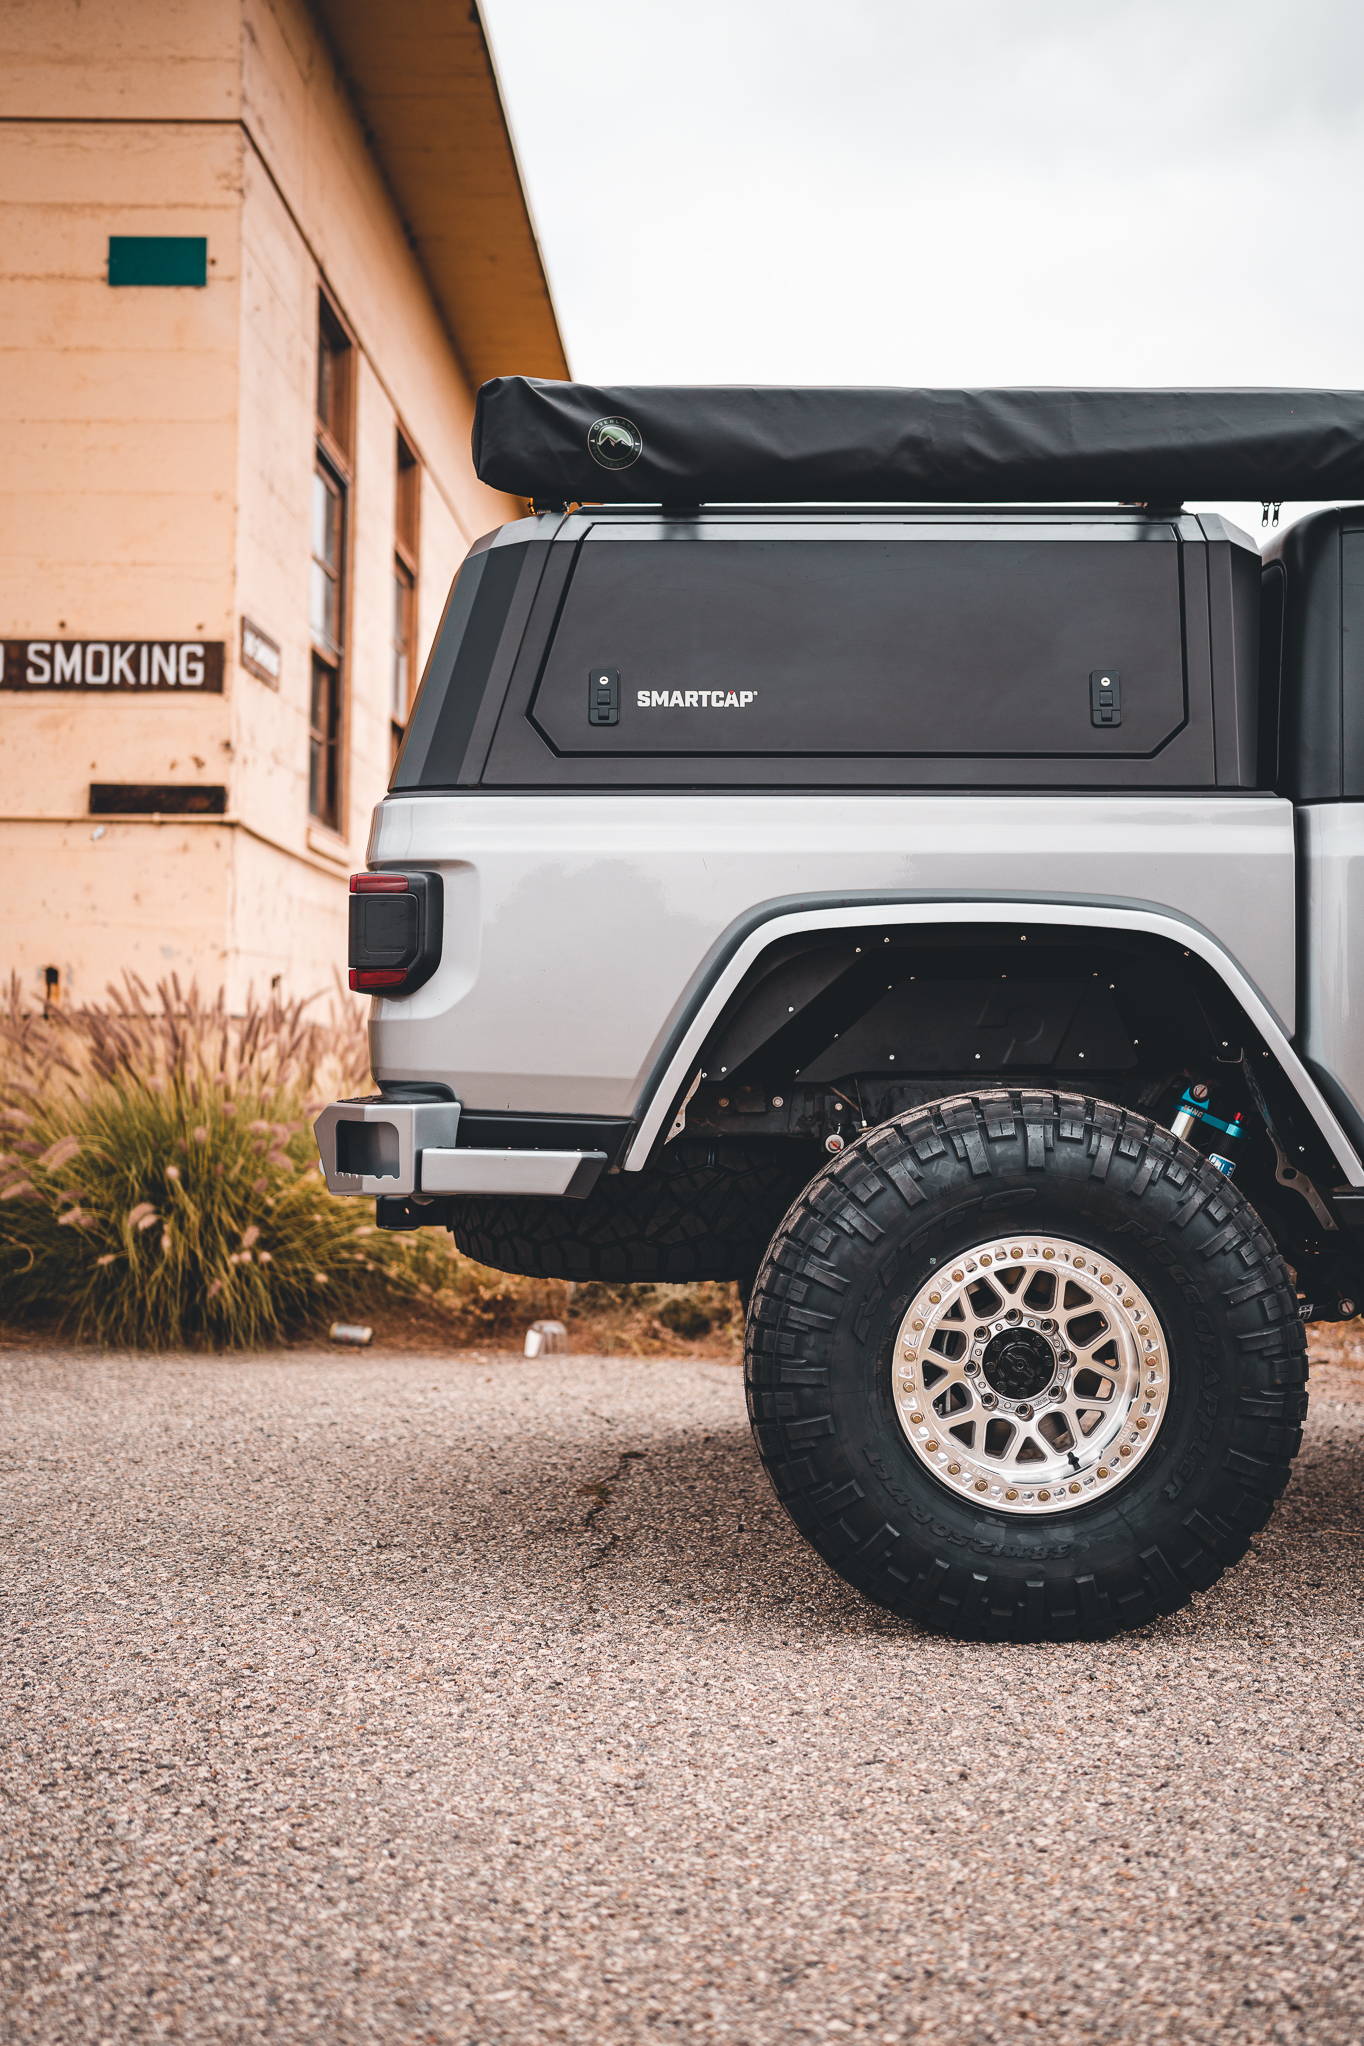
(1030,1374)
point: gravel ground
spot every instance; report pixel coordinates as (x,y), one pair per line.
(398,1699)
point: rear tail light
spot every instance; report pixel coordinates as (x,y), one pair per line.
(395,931)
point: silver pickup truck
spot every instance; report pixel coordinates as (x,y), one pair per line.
(943,921)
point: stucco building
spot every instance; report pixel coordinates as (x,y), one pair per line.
(255,258)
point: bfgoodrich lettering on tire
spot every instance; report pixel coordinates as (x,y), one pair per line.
(1025,1366)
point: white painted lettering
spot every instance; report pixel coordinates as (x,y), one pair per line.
(66,663)
(695,699)
(38,661)
(97,662)
(123,665)
(163,666)
(191,666)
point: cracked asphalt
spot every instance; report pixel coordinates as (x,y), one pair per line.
(367,1697)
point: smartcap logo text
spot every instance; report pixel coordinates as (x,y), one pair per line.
(694,699)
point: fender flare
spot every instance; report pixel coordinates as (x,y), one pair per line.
(705,1005)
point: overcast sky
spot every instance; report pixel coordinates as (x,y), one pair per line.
(992,192)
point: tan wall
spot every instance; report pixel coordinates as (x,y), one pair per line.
(118,417)
(158,468)
(168,887)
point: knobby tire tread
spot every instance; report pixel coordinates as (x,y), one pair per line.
(886,1530)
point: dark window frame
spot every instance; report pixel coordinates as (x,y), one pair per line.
(334,388)
(324,742)
(333,467)
(406,571)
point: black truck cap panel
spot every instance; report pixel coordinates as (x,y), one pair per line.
(567,443)
(776,647)
(467,669)
(918,641)
(1314,631)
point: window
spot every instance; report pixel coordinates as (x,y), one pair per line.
(324,743)
(407,505)
(335,360)
(329,520)
(404,594)
(327,567)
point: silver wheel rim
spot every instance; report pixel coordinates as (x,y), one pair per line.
(1031,1375)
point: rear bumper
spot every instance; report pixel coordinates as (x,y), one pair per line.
(373,1147)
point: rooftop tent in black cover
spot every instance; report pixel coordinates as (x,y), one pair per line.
(562,443)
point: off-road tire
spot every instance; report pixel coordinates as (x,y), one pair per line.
(855,1249)
(703,1210)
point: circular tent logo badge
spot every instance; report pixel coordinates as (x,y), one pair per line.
(614,443)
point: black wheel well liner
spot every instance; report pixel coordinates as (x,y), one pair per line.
(833,972)
(1214,1027)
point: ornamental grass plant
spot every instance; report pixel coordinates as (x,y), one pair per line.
(160,1189)
(158,1180)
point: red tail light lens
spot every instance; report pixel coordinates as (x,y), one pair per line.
(368,979)
(378,884)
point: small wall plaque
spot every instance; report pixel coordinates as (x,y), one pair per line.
(157,799)
(260,654)
(158,259)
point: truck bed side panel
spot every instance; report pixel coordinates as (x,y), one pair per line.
(579,927)
(1332,841)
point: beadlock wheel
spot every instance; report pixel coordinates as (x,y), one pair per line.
(1032,1375)
(971,1314)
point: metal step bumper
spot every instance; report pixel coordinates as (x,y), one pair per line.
(372,1146)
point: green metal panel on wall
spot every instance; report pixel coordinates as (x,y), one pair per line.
(158,259)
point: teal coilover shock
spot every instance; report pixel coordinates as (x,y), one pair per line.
(1196,1107)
